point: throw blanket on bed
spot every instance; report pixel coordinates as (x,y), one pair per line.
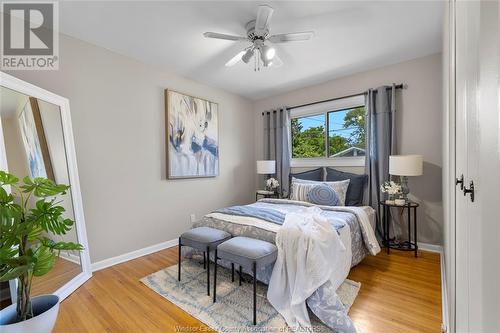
(368,232)
(305,243)
(263,211)
(266,214)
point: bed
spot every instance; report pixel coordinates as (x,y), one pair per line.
(263,219)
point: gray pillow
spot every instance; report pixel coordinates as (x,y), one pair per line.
(316,175)
(354,196)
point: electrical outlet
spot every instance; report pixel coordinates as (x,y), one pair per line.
(192,217)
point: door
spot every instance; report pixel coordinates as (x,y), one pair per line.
(477,158)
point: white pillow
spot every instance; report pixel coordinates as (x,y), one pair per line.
(301,187)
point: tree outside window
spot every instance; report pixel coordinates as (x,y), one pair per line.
(346,134)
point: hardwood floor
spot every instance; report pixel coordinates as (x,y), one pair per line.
(398,294)
(63,271)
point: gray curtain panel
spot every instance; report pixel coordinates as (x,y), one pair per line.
(277,145)
(380,106)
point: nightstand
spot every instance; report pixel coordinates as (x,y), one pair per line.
(385,216)
(265,194)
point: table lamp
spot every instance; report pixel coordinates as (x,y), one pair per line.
(266,167)
(406,166)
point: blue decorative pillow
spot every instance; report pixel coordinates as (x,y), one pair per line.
(323,195)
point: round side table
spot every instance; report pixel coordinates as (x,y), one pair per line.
(385,216)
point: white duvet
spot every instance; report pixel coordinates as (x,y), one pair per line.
(306,241)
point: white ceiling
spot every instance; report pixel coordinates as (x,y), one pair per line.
(351,36)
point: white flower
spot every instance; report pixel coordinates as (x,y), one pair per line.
(391,188)
(272,183)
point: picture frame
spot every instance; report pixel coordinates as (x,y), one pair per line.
(192,136)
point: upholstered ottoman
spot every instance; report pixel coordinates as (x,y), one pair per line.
(248,253)
(204,239)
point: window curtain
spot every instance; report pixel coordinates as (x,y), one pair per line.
(380,106)
(277,145)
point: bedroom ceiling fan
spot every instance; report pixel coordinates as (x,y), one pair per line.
(258,35)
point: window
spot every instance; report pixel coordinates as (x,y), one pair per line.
(308,136)
(346,132)
(329,131)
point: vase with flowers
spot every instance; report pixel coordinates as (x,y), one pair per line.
(272,185)
(393,191)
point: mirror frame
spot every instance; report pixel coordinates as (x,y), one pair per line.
(29,89)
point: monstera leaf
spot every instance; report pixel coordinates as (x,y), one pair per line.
(44,259)
(48,215)
(43,187)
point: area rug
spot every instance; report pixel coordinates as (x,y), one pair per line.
(234,307)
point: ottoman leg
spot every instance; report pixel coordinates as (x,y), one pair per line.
(179,273)
(241,273)
(208,270)
(215,275)
(232,272)
(254,269)
(204,260)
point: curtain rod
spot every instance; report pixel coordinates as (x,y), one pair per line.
(398,86)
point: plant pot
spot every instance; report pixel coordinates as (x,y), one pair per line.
(45,310)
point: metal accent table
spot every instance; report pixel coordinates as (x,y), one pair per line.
(384,210)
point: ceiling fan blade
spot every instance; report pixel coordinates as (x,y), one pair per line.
(234,60)
(223,36)
(292,37)
(277,62)
(264,14)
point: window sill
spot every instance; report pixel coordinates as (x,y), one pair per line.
(328,162)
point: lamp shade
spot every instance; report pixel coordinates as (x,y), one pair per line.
(266,167)
(406,165)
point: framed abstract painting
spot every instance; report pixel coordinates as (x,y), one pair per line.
(192,136)
(34,141)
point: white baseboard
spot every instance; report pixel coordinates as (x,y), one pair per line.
(444,299)
(133,255)
(430,247)
(70,257)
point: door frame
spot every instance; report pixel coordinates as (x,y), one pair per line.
(449,169)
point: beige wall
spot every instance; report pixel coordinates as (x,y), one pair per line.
(117,108)
(419,113)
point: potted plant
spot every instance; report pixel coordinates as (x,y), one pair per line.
(26,216)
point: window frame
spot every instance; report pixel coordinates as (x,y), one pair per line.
(325,108)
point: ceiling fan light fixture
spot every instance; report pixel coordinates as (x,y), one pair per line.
(247,56)
(257,33)
(268,52)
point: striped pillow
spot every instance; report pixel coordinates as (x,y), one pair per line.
(300,189)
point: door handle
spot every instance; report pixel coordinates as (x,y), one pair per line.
(460,181)
(470,191)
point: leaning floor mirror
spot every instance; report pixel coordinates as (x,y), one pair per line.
(36,140)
